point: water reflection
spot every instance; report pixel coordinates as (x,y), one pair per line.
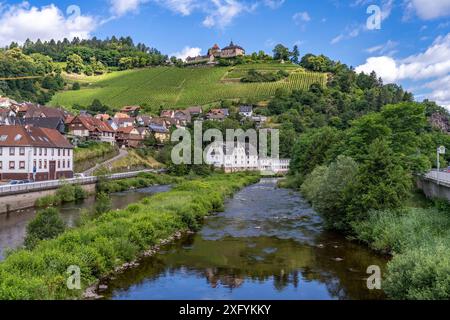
(13,226)
(268,244)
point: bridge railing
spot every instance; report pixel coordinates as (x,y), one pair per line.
(441,176)
(54,184)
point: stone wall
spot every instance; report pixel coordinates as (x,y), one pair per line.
(432,190)
(27,200)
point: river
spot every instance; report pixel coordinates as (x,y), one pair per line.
(13,226)
(268,244)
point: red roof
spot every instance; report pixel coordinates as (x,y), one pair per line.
(28,136)
(93,124)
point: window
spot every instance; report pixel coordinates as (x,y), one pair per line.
(40,164)
(59,164)
(68,152)
(45,164)
(22,165)
(45,151)
(12,165)
(12,151)
(1,151)
(59,152)
(22,151)
(64,164)
(64,152)
(40,151)
(34,165)
(1,165)
(53,152)
(35,151)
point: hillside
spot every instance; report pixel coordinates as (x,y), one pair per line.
(181,87)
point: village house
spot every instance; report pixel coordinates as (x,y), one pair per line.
(217,114)
(129,137)
(103,117)
(160,132)
(7,117)
(143,121)
(121,115)
(244,157)
(246,111)
(90,128)
(49,123)
(195,112)
(132,111)
(33,153)
(117,123)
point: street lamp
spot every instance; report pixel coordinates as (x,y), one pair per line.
(440,150)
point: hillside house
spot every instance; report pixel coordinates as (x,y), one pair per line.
(232,51)
(195,112)
(33,153)
(103,117)
(129,137)
(160,132)
(7,117)
(132,111)
(143,121)
(217,114)
(90,128)
(246,111)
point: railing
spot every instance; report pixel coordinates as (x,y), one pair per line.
(54,184)
(439,176)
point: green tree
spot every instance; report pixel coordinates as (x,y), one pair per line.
(280,52)
(75,64)
(47,225)
(295,55)
(382,182)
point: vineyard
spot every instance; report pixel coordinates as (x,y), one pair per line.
(180,87)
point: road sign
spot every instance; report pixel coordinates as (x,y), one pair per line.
(441,150)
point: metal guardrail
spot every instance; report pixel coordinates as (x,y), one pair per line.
(46,185)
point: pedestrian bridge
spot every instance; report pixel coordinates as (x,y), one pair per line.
(435,184)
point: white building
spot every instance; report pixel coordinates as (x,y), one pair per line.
(244,158)
(33,153)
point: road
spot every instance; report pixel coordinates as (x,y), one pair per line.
(122,154)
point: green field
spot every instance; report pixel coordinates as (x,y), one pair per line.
(181,87)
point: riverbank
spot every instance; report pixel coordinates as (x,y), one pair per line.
(115,238)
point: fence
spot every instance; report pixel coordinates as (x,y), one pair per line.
(48,185)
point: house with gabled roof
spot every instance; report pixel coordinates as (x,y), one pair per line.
(90,128)
(34,153)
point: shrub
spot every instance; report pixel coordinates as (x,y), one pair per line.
(47,225)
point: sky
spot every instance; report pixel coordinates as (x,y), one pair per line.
(404,41)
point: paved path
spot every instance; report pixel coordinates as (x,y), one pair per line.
(122,154)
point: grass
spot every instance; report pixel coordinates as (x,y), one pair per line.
(93,153)
(419,240)
(101,245)
(135,161)
(179,87)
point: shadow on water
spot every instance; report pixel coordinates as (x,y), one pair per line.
(13,226)
(268,244)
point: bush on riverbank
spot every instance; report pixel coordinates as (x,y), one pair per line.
(116,237)
(419,240)
(67,193)
(143,180)
(46,225)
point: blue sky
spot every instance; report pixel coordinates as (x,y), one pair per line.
(411,47)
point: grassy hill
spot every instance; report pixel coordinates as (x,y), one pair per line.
(181,87)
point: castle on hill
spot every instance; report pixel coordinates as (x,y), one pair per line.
(214,53)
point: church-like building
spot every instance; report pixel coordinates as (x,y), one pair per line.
(214,53)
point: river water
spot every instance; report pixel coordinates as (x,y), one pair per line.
(268,244)
(13,226)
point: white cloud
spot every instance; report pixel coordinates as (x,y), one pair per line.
(428,9)
(300,17)
(222,12)
(21,21)
(187,52)
(431,65)
(274,4)
(122,7)
(383,49)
